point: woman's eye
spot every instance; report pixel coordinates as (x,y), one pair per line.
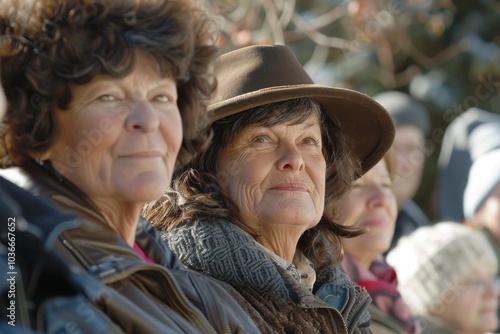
(311,141)
(162,98)
(107,98)
(260,139)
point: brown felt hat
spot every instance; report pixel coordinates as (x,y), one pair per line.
(261,74)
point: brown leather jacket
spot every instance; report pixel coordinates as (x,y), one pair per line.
(132,295)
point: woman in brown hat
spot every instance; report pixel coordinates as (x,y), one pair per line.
(98,92)
(249,210)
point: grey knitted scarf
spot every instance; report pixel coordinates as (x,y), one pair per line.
(224,251)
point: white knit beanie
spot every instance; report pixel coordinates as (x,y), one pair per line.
(484,138)
(431,260)
(484,176)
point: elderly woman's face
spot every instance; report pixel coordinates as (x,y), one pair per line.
(471,306)
(119,138)
(370,204)
(275,175)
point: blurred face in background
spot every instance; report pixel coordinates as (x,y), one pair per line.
(471,308)
(370,204)
(488,214)
(409,148)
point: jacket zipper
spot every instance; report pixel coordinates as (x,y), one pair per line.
(180,294)
(176,291)
(86,265)
(359,310)
(73,251)
(326,306)
(343,321)
(226,321)
(357,313)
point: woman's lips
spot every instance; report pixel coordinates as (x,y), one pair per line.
(377,222)
(294,187)
(142,155)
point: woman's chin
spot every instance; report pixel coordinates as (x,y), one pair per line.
(295,216)
(145,188)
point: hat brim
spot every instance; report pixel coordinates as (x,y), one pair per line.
(368,127)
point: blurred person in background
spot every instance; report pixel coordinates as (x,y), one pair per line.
(482,200)
(412,126)
(105,98)
(446,276)
(469,136)
(250,209)
(371,205)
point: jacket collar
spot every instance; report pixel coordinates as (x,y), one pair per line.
(34,215)
(100,247)
(95,242)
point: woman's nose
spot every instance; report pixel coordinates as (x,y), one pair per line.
(291,160)
(142,117)
(378,196)
(491,288)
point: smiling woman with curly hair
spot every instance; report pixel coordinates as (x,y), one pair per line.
(105,98)
(71,42)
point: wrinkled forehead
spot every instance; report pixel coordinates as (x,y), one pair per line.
(286,112)
(292,116)
(290,112)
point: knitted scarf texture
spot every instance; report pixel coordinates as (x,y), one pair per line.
(224,251)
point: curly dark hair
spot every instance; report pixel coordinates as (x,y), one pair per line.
(197,193)
(47,46)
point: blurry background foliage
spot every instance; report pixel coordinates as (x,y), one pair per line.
(444,53)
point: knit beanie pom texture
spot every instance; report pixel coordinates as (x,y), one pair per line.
(432,260)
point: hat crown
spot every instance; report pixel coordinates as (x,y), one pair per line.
(255,68)
(259,75)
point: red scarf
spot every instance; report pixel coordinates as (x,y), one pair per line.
(380,280)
